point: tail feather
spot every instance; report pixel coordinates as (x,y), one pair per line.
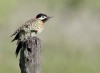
(12,35)
(20,44)
(16,37)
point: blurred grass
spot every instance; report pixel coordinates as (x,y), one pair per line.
(70,40)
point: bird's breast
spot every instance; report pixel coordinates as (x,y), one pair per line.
(38,26)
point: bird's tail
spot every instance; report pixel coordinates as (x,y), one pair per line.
(19,46)
(16,37)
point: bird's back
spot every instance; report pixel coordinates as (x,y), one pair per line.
(31,26)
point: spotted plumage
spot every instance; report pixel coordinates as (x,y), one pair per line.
(29,29)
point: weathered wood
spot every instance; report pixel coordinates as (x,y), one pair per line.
(30,56)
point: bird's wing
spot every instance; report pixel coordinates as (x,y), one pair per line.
(25,25)
(17,31)
(17,36)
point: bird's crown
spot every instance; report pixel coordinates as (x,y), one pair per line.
(43,17)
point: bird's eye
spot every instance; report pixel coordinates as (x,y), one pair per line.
(43,16)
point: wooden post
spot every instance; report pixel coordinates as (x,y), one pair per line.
(30,56)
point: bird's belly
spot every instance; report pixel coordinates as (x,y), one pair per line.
(39,30)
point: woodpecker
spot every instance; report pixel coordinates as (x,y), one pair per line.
(30,28)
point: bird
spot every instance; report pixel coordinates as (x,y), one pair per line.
(30,28)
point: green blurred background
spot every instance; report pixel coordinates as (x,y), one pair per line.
(70,40)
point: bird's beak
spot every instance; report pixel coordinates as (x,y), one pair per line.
(49,17)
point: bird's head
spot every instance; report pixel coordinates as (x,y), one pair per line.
(43,17)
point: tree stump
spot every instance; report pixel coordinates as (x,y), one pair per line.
(30,56)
